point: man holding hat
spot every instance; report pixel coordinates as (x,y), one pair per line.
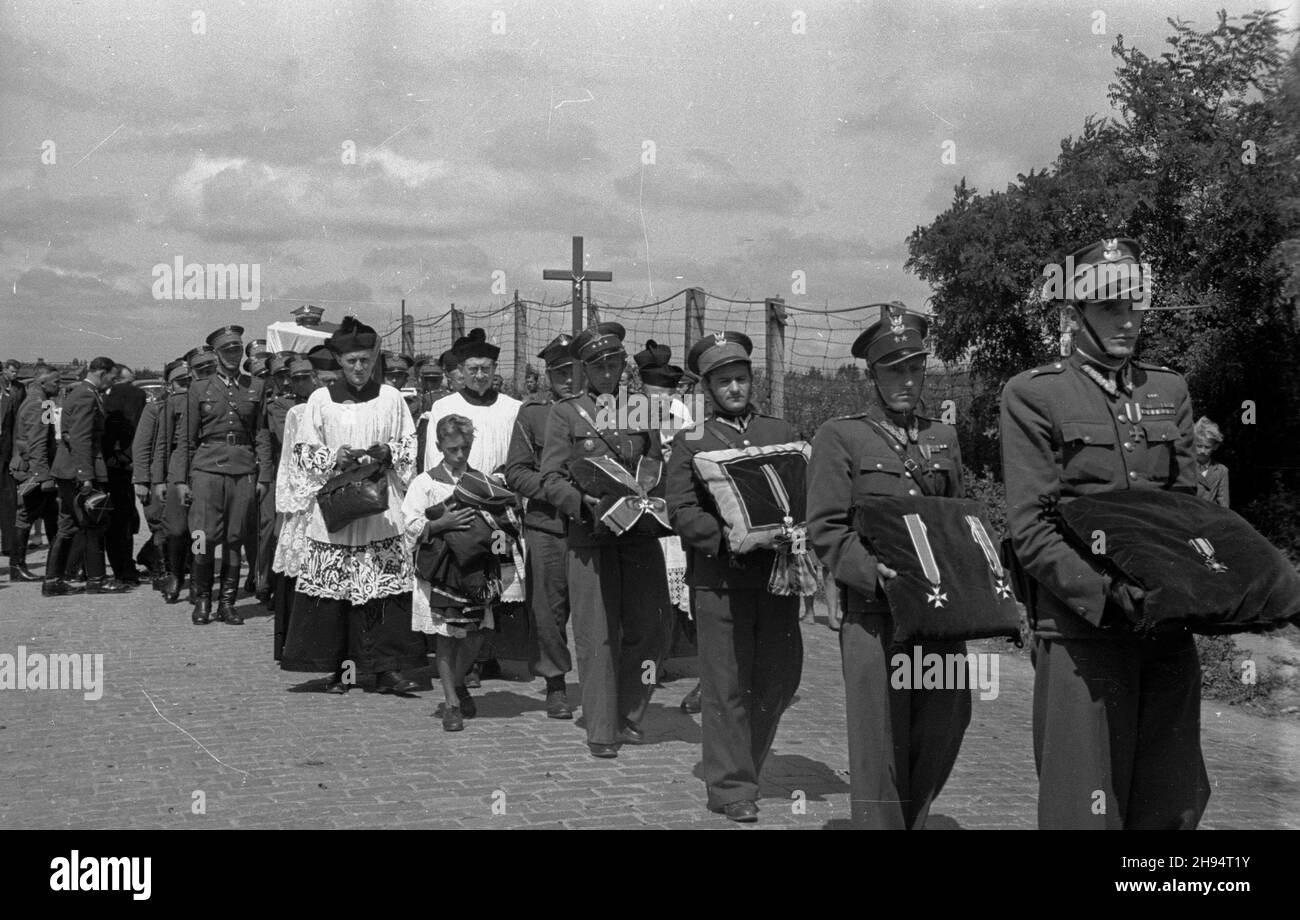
(1116,715)
(167,475)
(225,457)
(82,475)
(617,590)
(547,584)
(33,451)
(751,650)
(902,742)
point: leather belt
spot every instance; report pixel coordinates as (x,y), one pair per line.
(230,437)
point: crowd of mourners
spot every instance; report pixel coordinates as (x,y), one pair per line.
(393,514)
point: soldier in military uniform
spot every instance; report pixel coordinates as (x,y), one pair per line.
(33,450)
(397,369)
(166,473)
(1116,716)
(151,498)
(79,470)
(275,409)
(902,742)
(618,593)
(751,650)
(547,585)
(226,459)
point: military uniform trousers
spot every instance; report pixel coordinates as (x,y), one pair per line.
(922,728)
(618,593)
(751,660)
(224,508)
(267,527)
(38,505)
(547,598)
(1117,733)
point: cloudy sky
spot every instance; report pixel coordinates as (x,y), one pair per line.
(362,152)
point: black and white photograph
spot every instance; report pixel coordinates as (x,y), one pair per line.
(719,415)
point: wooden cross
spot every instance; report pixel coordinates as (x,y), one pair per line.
(576,276)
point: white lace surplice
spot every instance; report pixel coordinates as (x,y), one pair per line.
(367,559)
(293,504)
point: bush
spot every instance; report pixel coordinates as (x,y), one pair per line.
(1276,515)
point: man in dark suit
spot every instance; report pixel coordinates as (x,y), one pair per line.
(81,474)
(123,405)
(751,650)
(547,585)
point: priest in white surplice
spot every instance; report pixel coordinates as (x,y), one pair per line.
(493,413)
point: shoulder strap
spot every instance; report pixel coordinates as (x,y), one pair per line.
(910,466)
(586,417)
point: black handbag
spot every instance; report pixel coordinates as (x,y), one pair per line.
(352,495)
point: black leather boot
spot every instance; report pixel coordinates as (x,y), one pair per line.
(177,550)
(18,570)
(201,583)
(226,600)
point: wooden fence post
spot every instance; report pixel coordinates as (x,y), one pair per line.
(774,366)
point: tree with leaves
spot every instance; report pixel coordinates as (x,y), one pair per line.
(1198,162)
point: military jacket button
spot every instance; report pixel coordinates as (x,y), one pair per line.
(911,491)
(1132,474)
(1128,445)
(880,466)
(1087,439)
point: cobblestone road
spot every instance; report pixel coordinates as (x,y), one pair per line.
(192,714)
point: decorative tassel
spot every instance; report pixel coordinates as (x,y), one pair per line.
(794,573)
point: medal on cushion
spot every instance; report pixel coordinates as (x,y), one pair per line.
(1001,587)
(925,553)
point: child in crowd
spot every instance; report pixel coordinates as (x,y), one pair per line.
(1211,477)
(461,530)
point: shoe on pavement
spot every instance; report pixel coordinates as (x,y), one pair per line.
(631,734)
(394,682)
(603,751)
(742,812)
(451,719)
(557,705)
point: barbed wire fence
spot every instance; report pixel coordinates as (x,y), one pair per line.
(799,352)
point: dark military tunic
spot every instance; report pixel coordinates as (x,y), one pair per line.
(902,742)
(546,585)
(142,467)
(618,586)
(225,452)
(1116,717)
(33,450)
(751,650)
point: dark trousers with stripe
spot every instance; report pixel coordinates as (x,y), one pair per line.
(547,599)
(618,593)
(902,742)
(1117,733)
(751,660)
